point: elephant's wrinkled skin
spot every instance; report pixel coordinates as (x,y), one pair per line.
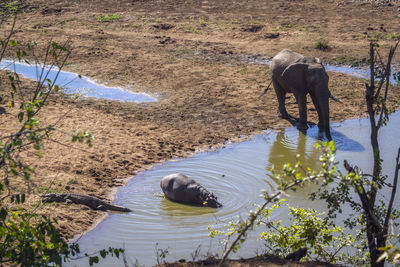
(294,73)
(180,188)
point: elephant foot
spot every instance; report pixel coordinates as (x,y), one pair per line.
(322,134)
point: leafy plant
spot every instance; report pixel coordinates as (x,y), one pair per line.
(108,18)
(203,22)
(31,240)
(161,254)
(193,29)
(27,239)
(307,229)
(9,7)
(223,26)
(390,252)
(72,181)
(136,26)
(321,44)
(392,36)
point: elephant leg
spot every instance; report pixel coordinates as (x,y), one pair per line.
(280,95)
(302,102)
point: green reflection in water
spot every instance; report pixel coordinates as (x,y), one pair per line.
(172,209)
(289,150)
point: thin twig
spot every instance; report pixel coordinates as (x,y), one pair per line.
(387,79)
(11,33)
(393,194)
(69,146)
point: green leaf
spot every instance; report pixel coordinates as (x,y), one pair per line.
(12,43)
(57,46)
(103,253)
(93,259)
(3,214)
(21,116)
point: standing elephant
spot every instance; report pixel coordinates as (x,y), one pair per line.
(180,188)
(294,73)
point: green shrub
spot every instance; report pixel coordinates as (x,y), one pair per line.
(193,29)
(108,18)
(321,44)
(26,238)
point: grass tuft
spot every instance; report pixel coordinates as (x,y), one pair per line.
(108,18)
(321,44)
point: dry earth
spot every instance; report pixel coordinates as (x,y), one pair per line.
(193,56)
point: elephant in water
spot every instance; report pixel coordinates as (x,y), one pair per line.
(180,188)
(294,73)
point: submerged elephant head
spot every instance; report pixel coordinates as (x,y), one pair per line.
(208,199)
(180,188)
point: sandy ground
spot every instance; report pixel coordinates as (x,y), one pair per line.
(194,57)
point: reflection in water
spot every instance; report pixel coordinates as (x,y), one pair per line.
(173,209)
(287,149)
(291,146)
(235,174)
(343,143)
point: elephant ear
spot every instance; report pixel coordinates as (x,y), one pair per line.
(295,77)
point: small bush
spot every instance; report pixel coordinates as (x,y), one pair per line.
(136,26)
(393,36)
(108,18)
(321,44)
(193,29)
(203,22)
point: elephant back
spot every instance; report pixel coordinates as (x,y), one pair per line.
(283,59)
(180,188)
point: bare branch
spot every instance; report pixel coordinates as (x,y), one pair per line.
(80,149)
(386,78)
(11,33)
(393,194)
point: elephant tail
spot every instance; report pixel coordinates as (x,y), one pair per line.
(336,99)
(266,89)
